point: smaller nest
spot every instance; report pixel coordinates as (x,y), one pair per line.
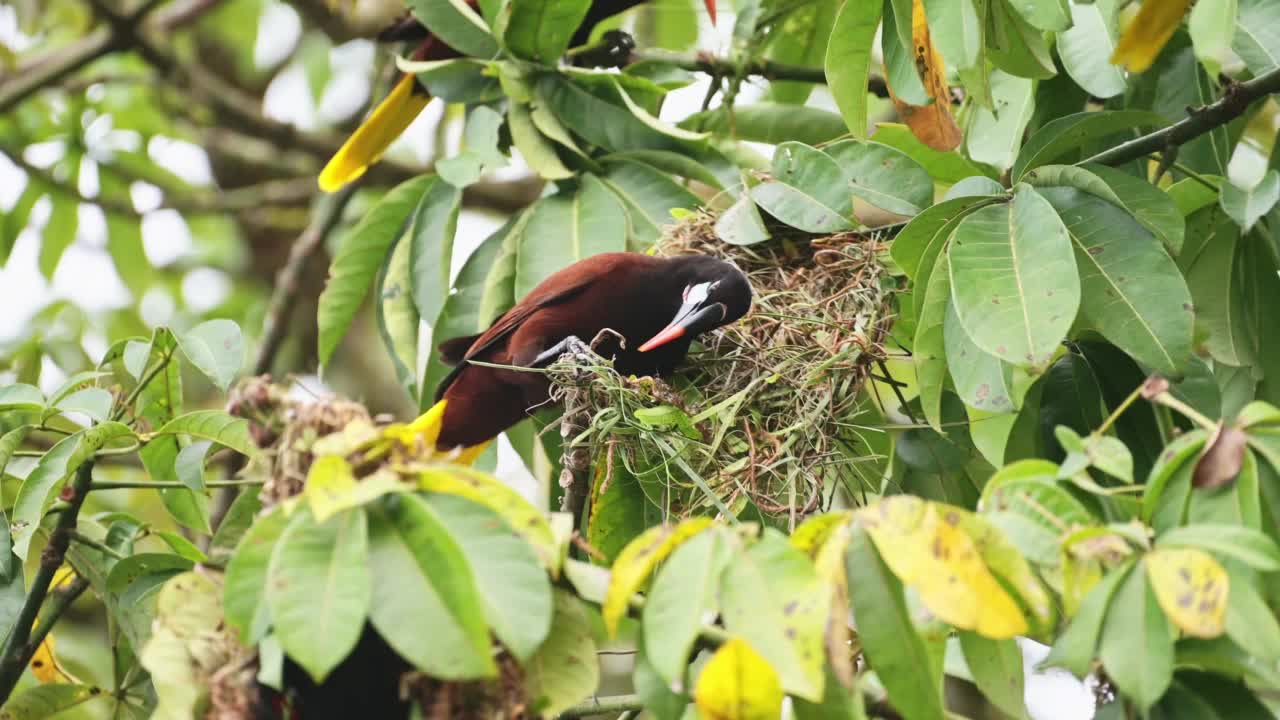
(768,408)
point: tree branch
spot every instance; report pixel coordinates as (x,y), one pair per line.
(603,706)
(1233,104)
(768,69)
(21,645)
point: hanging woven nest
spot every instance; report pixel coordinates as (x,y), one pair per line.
(766,410)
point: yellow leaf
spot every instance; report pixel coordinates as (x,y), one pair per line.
(528,522)
(1147,33)
(737,684)
(1191,588)
(813,533)
(932,124)
(1005,562)
(44,664)
(62,577)
(829,563)
(924,545)
(330,483)
(637,560)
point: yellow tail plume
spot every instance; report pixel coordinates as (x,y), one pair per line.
(386,123)
(427,429)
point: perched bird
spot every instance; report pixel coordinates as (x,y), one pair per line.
(408,98)
(656,306)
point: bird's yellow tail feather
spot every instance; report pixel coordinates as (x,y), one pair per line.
(427,428)
(386,123)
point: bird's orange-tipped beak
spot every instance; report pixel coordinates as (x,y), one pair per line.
(711,10)
(669,333)
(386,123)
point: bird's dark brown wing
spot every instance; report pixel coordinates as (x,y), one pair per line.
(507,324)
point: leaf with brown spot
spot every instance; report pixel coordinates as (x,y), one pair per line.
(1191,588)
(1222,459)
(932,124)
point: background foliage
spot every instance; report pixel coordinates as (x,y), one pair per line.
(1075,416)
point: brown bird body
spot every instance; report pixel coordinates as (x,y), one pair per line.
(635,295)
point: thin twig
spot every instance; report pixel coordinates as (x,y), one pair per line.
(1237,98)
(21,645)
(604,706)
(170,484)
(768,69)
(103,548)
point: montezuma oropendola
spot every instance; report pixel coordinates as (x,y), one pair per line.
(408,99)
(657,306)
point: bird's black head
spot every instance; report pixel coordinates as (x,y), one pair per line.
(713,293)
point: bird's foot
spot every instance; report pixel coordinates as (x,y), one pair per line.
(571,345)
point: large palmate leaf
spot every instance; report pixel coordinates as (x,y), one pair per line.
(458,24)
(808,190)
(1086,50)
(540,29)
(1065,135)
(1013,278)
(430,239)
(883,176)
(567,227)
(848,61)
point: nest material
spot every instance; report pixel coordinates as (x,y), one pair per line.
(774,398)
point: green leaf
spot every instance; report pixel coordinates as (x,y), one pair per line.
(1045,14)
(1210,263)
(189,465)
(943,167)
(1136,645)
(1064,135)
(12,590)
(461,313)
(568,227)
(802,40)
(771,123)
(245,582)
(1014,46)
(397,316)
(900,70)
(540,30)
(1252,547)
(808,190)
(513,586)
(741,223)
(361,254)
(42,701)
(918,245)
(683,595)
(1247,206)
(982,380)
(1250,623)
(94,402)
(1074,649)
(44,483)
(1086,50)
(691,167)
(893,647)
(956,30)
(565,669)
(996,666)
(1013,278)
(431,250)
(536,149)
(848,61)
(318,589)
(649,196)
(1206,696)
(14,221)
(1213,25)
(425,602)
(457,24)
(124,244)
(216,348)
(132,590)
(1149,205)
(523,517)
(600,122)
(884,177)
(21,396)
(461,80)
(928,352)
(216,426)
(1131,290)
(479,152)
(9,444)
(772,597)
(994,136)
(1257,35)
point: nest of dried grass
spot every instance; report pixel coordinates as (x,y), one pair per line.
(769,405)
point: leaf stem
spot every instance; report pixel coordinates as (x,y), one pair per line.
(723,67)
(169,484)
(1115,414)
(145,380)
(1168,400)
(101,547)
(604,706)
